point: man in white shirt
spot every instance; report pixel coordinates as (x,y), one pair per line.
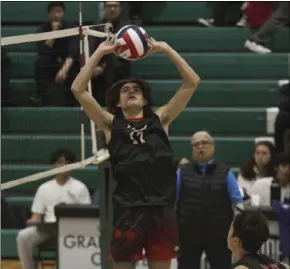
(62,189)
(265,188)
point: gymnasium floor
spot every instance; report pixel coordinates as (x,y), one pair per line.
(14,264)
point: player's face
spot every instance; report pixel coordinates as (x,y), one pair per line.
(131,96)
(56,14)
(262,155)
(233,241)
(283,174)
(202,148)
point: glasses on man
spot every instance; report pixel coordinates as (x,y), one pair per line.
(202,143)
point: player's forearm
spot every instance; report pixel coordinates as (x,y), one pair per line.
(187,73)
(81,81)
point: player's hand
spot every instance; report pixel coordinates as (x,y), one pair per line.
(157,46)
(108,46)
(61,76)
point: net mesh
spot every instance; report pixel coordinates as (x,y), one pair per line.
(42,114)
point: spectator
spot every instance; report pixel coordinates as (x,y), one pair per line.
(248,232)
(275,188)
(208,191)
(257,13)
(56,61)
(5,79)
(282,211)
(112,68)
(282,122)
(135,12)
(259,166)
(279,18)
(224,13)
(62,189)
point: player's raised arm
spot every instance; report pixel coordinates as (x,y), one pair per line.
(179,101)
(96,113)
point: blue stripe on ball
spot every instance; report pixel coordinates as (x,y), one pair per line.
(124,30)
(142,38)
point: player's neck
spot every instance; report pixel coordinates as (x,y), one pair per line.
(133,114)
(239,254)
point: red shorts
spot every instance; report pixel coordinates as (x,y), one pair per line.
(153,229)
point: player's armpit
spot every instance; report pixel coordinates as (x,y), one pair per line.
(96,113)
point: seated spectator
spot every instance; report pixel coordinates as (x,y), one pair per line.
(282,211)
(57,61)
(62,189)
(282,122)
(111,68)
(248,232)
(135,11)
(277,187)
(279,18)
(259,166)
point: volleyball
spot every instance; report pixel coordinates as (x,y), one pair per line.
(132,41)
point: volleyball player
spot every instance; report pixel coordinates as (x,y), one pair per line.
(248,232)
(141,159)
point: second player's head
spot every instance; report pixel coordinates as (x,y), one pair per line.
(131,95)
(248,232)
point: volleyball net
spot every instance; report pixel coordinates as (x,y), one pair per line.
(45,115)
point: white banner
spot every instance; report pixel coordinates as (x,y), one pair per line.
(78,245)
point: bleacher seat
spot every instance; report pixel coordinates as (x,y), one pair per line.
(16,149)
(217,66)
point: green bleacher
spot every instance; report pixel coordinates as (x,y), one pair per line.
(236,88)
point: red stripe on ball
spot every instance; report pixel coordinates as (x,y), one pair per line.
(131,46)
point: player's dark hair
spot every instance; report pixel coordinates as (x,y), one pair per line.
(251,227)
(113,94)
(68,155)
(247,169)
(55,4)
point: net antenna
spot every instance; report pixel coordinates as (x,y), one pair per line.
(98,155)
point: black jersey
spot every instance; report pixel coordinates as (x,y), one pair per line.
(141,161)
(259,261)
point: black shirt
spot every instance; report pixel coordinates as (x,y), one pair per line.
(258,261)
(141,160)
(63,47)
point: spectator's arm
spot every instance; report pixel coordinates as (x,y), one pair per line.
(234,191)
(84,196)
(178,183)
(38,207)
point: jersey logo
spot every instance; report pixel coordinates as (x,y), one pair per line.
(136,135)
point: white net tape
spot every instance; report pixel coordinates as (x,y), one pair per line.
(98,155)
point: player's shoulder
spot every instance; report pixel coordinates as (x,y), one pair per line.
(241,267)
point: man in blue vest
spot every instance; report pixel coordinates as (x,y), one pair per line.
(207,195)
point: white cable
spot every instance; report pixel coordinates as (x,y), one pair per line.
(10,40)
(92,124)
(103,155)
